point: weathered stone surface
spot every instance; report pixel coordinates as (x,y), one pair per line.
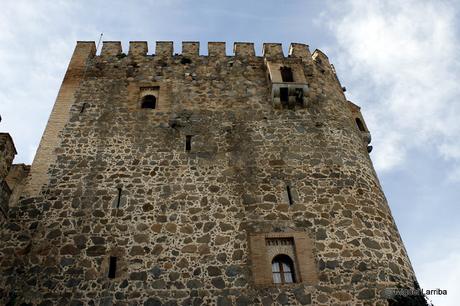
(138,276)
(194,284)
(223,301)
(171,227)
(218,282)
(342,296)
(214,271)
(96,250)
(141,238)
(222,240)
(283,299)
(332,264)
(191,248)
(98,240)
(159,284)
(243,301)
(366,294)
(371,243)
(80,240)
(208,226)
(233,270)
(301,297)
(54,234)
(321,234)
(152,302)
(69,249)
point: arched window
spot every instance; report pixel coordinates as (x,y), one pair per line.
(149,101)
(360,125)
(286,74)
(283,270)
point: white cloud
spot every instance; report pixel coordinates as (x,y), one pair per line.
(36,43)
(399,58)
(441,270)
(390,151)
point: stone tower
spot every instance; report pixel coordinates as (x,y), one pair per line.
(183,179)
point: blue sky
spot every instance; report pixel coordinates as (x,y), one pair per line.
(398,60)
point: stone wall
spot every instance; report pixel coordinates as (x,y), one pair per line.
(16,179)
(5,194)
(120,183)
(7,153)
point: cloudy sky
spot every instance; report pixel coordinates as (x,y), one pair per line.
(398,60)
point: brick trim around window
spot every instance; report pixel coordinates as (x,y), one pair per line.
(304,262)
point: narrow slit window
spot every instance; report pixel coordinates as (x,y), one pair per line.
(284,95)
(299,95)
(286,74)
(149,101)
(360,125)
(83,107)
(112,266)
(119,197)
(289,194)
(188,143)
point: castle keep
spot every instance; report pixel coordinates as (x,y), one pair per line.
(183,179)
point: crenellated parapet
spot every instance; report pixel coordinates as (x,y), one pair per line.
(244,49)
(191,48)
(270,51)
(164,48)
(111,48)
(138,48)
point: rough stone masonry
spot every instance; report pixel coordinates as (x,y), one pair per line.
(189,179)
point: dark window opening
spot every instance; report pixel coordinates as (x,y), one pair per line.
(283,270)
(149,101)
(299,95)
(188,143)
(119,197)
(289,194)
(185,61)
(286,74)
(83,107)
(284,96)
(360,125)
(112,266)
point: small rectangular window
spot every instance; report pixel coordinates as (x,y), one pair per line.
(83,107)
(284,95)
(289,194)
(188,143)
(119,197)
(112,266)
(360,125)
(286,74)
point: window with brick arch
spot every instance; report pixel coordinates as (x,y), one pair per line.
(149,101)
(283,270)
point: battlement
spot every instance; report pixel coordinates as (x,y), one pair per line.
(191,49)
